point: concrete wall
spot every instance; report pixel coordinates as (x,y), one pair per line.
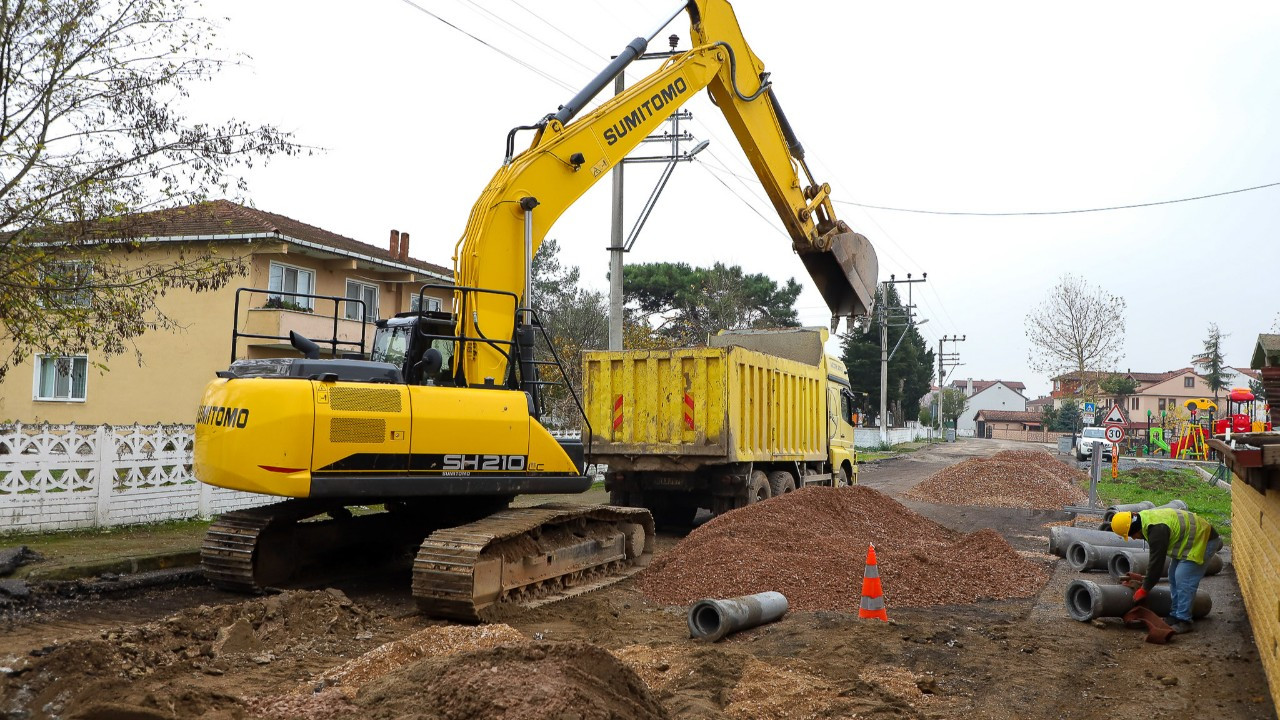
(70,477)
(869,437)
(1255,552)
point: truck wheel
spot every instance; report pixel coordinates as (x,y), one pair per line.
(758,487)
(781,482)
(842,477)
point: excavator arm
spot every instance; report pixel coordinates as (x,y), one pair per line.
(567,156)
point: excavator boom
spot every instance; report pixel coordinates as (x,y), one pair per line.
(570,154)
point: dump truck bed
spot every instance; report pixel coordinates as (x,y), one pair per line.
(698,406)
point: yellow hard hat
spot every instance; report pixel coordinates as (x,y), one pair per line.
(1120,523)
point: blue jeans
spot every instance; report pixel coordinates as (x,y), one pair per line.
(1184,578)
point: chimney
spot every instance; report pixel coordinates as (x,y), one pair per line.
(968,391)
(395,243)
(404,246)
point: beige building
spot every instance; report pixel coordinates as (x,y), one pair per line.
(282,256)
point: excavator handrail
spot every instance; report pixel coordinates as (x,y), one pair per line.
(333,342)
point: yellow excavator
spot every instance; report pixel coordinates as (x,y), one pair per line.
(440,427)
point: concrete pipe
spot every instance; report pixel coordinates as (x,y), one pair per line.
(1129,507)
(1174,504)
(1061,537)
(1086,557)
(1087,600)
(712,620)
(1121,564)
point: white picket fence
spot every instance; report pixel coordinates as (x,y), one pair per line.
(62,477)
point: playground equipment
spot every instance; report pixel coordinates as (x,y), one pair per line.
(1241,404)
(1191,442)
(1155,438)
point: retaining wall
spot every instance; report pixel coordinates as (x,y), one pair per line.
(65,477)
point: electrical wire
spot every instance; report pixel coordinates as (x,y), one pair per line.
(498,18)
(1059,212)
(494,48)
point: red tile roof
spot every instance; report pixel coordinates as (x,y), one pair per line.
(980,385)
(223,217)
(1009,416)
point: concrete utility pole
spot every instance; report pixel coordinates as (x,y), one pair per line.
(617,246)
(945,360)
(901,317)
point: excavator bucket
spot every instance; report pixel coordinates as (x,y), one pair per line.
(846,273)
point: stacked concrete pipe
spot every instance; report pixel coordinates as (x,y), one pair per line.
(1062,536)
(1120,564)
(1087,600)
(1174,504)
(1087,557)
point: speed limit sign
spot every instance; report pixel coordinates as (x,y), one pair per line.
(1114,433)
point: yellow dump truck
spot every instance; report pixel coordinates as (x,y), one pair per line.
(753,414)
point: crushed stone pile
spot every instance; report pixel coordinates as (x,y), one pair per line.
(810,545)
(1029,479)
(513,682)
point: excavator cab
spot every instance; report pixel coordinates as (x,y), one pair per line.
(420,343)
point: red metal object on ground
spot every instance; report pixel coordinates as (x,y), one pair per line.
(1158,631)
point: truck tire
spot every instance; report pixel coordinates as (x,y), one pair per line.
(758,488)
(673,512)
(781,482)
(842,477)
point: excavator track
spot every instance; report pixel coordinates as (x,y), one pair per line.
(274,545)
(528,555)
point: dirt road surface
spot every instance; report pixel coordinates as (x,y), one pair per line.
(196,652)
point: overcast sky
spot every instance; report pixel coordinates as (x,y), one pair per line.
(977,107)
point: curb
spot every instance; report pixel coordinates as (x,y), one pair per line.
(129,565)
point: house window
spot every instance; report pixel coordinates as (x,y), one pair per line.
(67,284)
(416,303)
(61,377)
(367,293)
(290,279)
(1134,405)
(1188,382)
(1162,405)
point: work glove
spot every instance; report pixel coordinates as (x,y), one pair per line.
(1139,595)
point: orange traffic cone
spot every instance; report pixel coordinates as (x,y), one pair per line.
(872,605)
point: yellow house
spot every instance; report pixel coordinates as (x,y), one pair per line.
(163,382)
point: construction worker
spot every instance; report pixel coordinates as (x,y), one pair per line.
(1186,539)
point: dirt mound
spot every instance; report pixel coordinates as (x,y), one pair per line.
(1011,478)
(810,545)
(524,682)
(101,677)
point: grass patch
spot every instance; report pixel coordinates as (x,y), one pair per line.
(883,450)
(1161,486)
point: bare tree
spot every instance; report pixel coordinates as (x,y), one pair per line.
(91,133)
(1078,328)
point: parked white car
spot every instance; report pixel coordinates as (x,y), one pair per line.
(1089,436)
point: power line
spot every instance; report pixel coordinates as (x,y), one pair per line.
(1058,212)
(526,33)
(494,48)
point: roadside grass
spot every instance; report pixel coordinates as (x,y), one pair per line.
(1160,486)
(74,546)
(883,451)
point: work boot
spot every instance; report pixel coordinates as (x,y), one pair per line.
(1180,627)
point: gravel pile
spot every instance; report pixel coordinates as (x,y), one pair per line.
(1013,478)
(811,546)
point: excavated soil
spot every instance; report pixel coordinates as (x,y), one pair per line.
(1028,479)
(811,546)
